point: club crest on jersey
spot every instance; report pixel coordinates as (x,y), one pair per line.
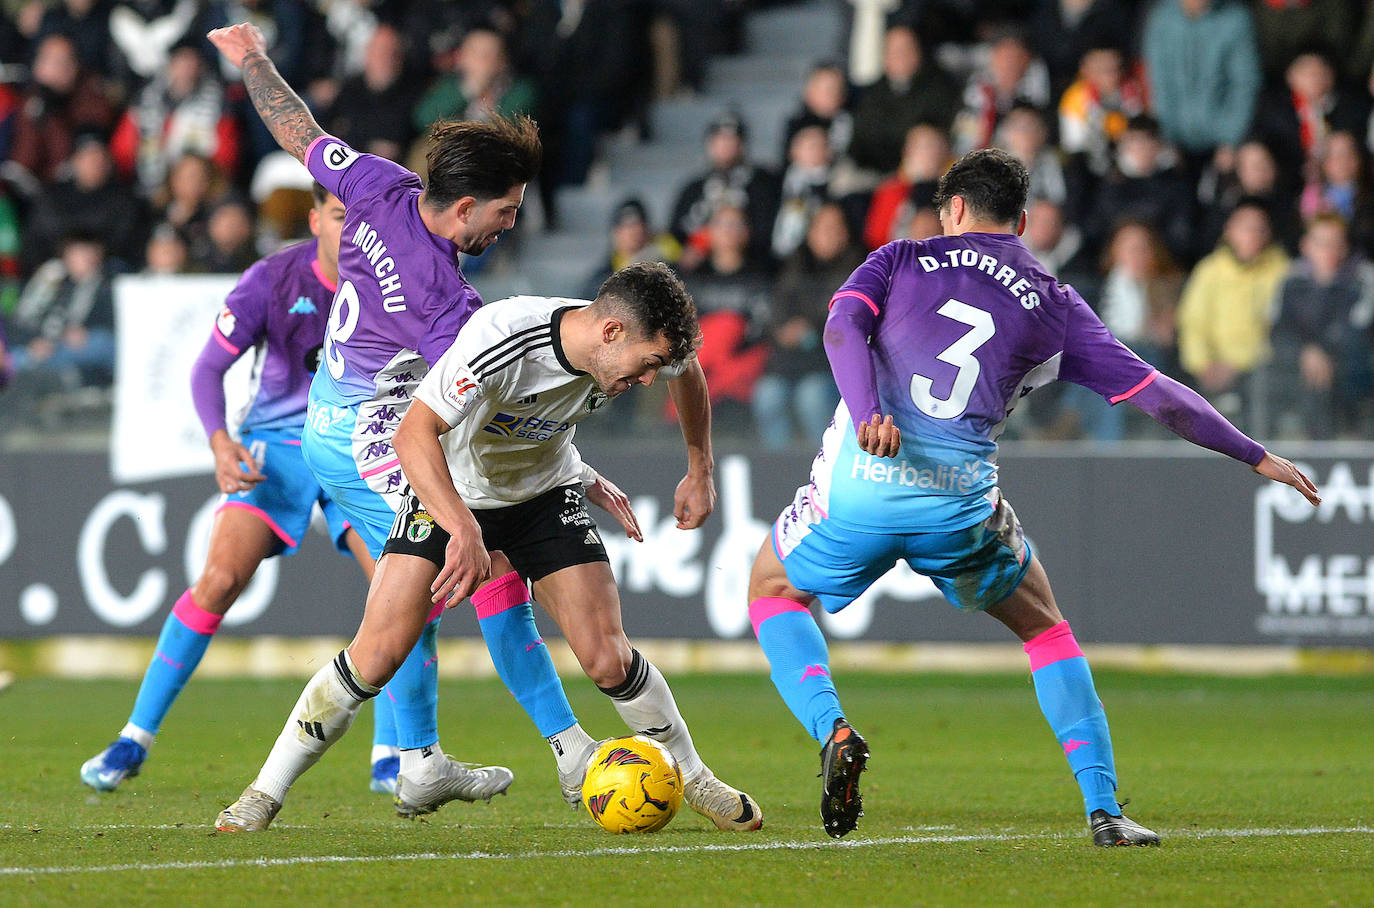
(226,321)
(595,400)
(338,157)
(502,424)
(421,525)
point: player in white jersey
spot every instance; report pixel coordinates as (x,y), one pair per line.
(487,447)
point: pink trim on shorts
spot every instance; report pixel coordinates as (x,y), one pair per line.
(271,524)
(844,294)
(495,597)
(1144,383)
(436,611)
(760,610)
(287,441)
(319,273)
(223,342)
(311,148)
(1054,645)
(195,617)
(382,469)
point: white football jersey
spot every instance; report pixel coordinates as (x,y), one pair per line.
(514,401)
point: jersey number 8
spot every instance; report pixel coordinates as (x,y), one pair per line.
(960,355)
(343,320)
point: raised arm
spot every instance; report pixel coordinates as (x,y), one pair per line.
(285,114)
(695,497)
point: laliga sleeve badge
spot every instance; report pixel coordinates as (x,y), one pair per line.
(226,322)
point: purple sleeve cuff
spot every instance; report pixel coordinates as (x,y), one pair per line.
(847,330)
(207,383)
(1184,412)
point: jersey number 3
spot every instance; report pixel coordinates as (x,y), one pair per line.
(960,355)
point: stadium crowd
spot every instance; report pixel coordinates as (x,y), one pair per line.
(1200,172)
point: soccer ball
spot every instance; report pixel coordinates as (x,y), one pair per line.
(633,784)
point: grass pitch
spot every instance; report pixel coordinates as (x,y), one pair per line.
(1260,788)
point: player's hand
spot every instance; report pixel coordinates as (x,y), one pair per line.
(235,468)
(467,565)
(881,439)
(1280,470)
(607,495)
(694,499)
(238,41)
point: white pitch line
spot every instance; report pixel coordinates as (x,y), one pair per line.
(666,849)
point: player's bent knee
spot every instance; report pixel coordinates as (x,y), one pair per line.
(608,663)
(218,587)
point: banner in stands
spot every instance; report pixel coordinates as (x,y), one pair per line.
(1167,548)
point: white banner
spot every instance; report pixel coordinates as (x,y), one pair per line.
(162,323)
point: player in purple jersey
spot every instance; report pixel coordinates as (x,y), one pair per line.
(932,344)
(278,310)
(400,302)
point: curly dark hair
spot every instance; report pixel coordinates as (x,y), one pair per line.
(480,158)
(992,183)
(654,300)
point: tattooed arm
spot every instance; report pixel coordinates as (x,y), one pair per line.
(283,111)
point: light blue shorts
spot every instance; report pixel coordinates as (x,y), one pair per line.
(286,499)
(368,503)
(974,568)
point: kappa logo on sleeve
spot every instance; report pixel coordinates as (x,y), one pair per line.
(338,157)
(461,390)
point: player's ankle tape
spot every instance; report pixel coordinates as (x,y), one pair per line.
(505,592)
(635,678)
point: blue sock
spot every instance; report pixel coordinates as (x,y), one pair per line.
(505,615)
(413,692)
(1064,687)
(185,635)
(800,661)
(383,721)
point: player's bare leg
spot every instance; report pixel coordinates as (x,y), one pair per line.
(397,610)
(239,541)
(584,601)
(1064,687)
(799,659)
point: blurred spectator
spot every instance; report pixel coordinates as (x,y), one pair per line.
(281,190)
(62,329)
(374,108)
(1341,187)
(165,253)
(1284,28)
(731,180)
(480,83)
(683,35)
(1059,246)
(925,157)
(1227,304)
(230,248)
(1295,119)
(6,362)
(924,224)
(824,103)
(731,293)
(1008,74)
(146,32)
(1204,72)
(632,240)
(61,101)
(1254,174)
(1025,134)
(1065,31)
(797,391)
(1095,109)
(180,112)
(87,24)
(805,187)
(913,89)
(1144,184)
(87,200)
(185,202)
(1322,350)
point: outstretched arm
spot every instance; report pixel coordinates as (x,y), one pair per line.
(285,114)
(1184,412)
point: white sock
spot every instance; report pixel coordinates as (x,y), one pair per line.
(568,746)
(423,764)
(382,751)
(649,709)
(325,710)
(142,736)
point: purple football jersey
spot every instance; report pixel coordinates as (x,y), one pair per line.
(279,306)
(963,327)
